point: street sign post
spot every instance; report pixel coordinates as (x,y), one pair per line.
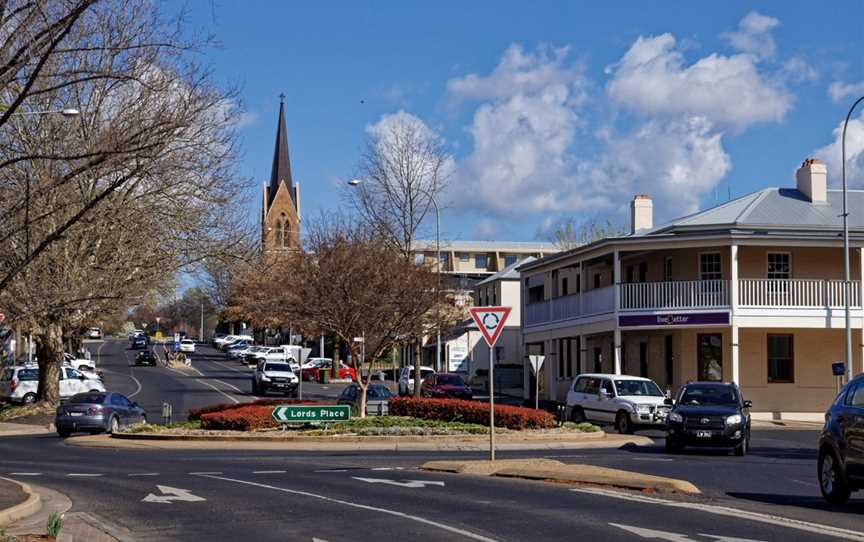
(490,321)
(311,413)
(536,364)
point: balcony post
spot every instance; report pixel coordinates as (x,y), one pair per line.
(733,305)
(616,284)
(616,335)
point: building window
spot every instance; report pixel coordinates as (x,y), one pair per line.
(510,260)
(579,283)
(535,294)
(598,359)
(481,261)
(464,257)
(779,265)
(286,235)
(564,287)
(419,258)
(709,266)
(781,361)
(643,272)
(629,279)
(643,360)
(278,234)
(597,279)
(667,270)
(494,296)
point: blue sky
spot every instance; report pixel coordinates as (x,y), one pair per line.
(550,110)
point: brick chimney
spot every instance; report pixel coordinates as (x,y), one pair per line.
(812,179)
(641,213)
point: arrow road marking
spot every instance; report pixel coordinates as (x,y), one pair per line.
(674,537)
(170,494)
(406,483)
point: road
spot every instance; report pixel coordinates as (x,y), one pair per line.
(220,495)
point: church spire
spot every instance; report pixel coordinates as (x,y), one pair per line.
(281,164)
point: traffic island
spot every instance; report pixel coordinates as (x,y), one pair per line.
(17,501)
(555,471)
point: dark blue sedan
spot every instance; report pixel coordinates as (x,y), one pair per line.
(94,412)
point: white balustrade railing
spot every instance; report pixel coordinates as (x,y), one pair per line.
(568,307)
(797,293)
(683,294)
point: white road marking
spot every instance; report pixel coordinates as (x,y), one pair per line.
(171,494)
(268,472)
(85,474)
(143,474)
(25,474)
(387,468)
(737,513)
(331,470)
(205,472)
(137,383)
(675,537)
(235,388)
(652,459)
(209,385)
(418,519)
(405,483)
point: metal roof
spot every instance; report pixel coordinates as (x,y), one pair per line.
(484,246)
(508,273)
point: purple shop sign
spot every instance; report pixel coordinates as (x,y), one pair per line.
(673,319)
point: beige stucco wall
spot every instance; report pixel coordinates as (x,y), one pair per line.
(807,262)
(685,263)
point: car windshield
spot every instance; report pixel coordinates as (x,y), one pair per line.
(450,380)
(88,398)
(709,395)
(28,374)
(378,392)
(278,367)
(638,387)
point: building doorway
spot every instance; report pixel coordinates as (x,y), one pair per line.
(710,356)
(670,361)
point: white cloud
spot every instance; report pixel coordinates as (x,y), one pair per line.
(831,154)
(839,91)
(754,35)
(798,70)
(653,78)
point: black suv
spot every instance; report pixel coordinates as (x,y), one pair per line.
(146,357)
(841,445)
(709,414)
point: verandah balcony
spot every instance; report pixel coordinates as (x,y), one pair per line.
(696,294)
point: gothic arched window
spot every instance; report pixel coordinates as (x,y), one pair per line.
(278,233)
(286,234)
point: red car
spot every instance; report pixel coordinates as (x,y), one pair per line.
(313,373)
(446,385)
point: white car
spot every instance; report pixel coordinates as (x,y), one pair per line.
(187,346)
(406,378)
(94,333)
(314,363)
(629,402)
(79,363)
(287,353)
(230,339)
(19,384)
(274,376)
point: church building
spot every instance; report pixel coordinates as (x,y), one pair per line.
(280,216)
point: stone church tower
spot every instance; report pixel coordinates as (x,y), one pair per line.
(280,217)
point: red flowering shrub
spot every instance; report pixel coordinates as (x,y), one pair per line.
(455,410)
(196,413)
(245,418)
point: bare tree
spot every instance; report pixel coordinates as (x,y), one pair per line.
(403,168)
(568,233)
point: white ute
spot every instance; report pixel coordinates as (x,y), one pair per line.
(629,402)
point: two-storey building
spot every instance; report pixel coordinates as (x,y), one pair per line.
(750,291)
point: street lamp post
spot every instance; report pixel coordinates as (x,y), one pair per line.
(846,282)
(358,182)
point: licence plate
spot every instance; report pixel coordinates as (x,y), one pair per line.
(76,413)
(703,434)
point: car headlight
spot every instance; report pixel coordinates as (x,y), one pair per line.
(675,417)
(734,419)
(643,409)
(265,378)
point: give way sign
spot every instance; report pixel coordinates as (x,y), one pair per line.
(490,320)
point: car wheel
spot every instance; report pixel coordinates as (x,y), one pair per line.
(29,398)
(63,433)
(622,423)
(741,449)
(113,425)
(672,447)
(577,415)
(832,480)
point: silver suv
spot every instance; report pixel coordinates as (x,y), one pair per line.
(630,402)
(274,376)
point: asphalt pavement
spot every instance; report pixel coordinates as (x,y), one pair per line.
(229,495)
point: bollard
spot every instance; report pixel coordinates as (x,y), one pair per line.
(561,414)
(167,413)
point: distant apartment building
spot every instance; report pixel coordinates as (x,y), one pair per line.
(750,291)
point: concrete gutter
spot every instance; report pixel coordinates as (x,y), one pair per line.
(30,506)
(8,429)
(555,471)
(353,442)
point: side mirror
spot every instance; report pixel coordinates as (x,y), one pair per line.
(668,401)
(748,404)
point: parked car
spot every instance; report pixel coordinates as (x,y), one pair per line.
(629,402)
(709,414)
(94,333)
(406,379)
(217,337)
(19,384)
(274,376)
(240,353)
(79,363)
(326,364)
(138,341)
(232,350)
(229,340)
(446,386)
(97,412)
(250,355)
(187,346)
(146,357)
(377,399)
(841,444)
(285,353)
